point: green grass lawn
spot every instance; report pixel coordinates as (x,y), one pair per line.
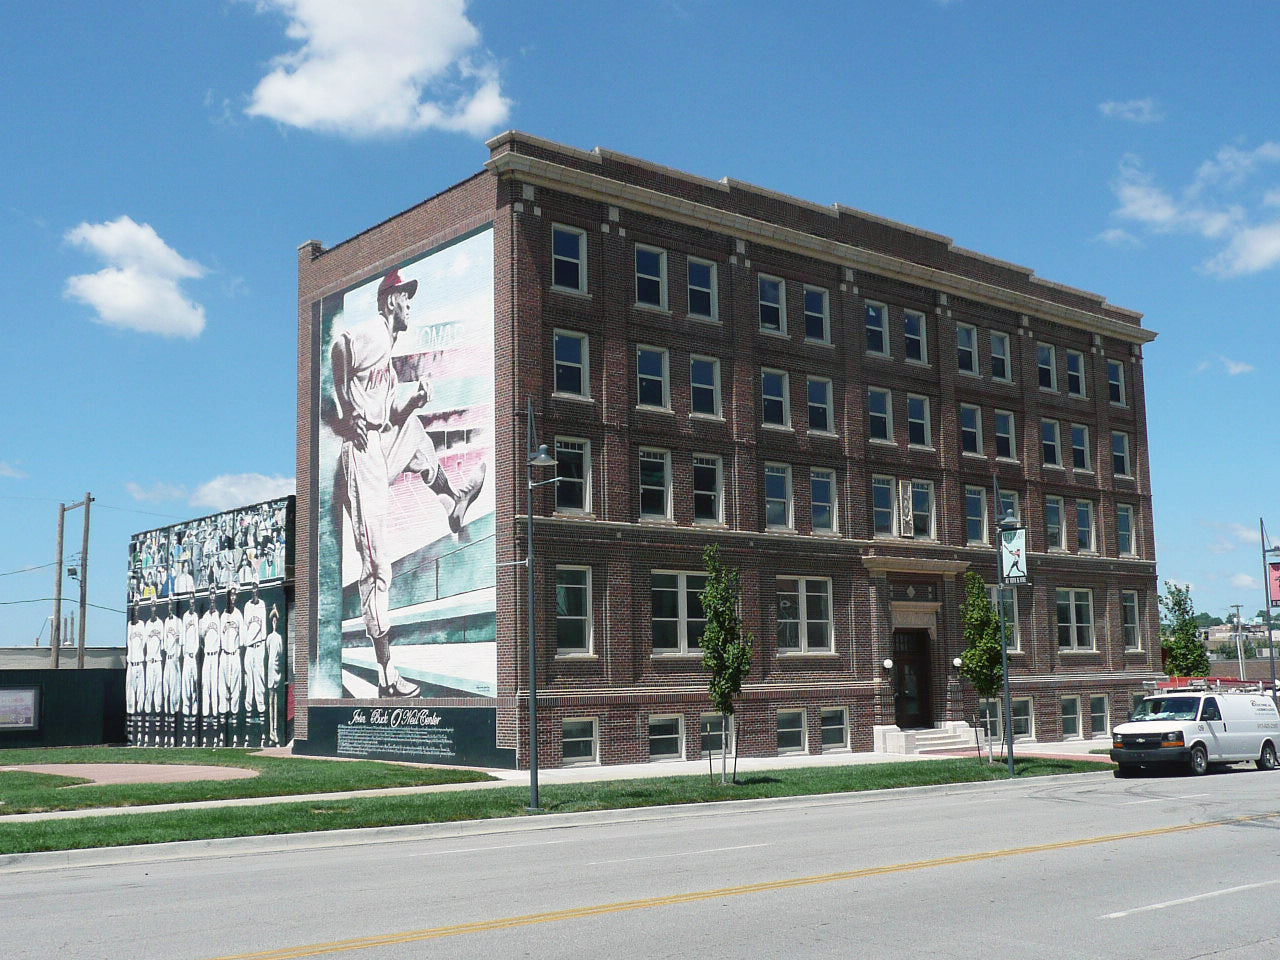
(345,813)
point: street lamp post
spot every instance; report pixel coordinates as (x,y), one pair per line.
(1008,529)
(1266,586)
(536,456)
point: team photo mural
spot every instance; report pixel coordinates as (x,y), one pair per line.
(406,603)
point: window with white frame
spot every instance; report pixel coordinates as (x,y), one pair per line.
(915,336)
(1115,383)
(703,295)
(712,734)
(1129,623)
(777,495)
(919,429)
(1006,435)
(655,483)
(1050,443)
(804,615)
(573,473)
(821,419)
(792,737)
(652,381)
(1120,464)
(775,402)
(883,507)
(835,728)
(571,359)
(1080,459)
(573,610)
(991,712)
(822,496)
(1009,602)
(708,496)
(568,258)
(1085,535)
(1099,715)
(966,348)
(1076,379)
(666,738)
(651,277)
(922,512)
(1010,503)
(704,386)
(1126,543)
(879,414)
(877,328)
(1001,364)
(578,739)
(1070,718)
(1054,527)
(975,515)
(970,428)
(1047,366)
(677,616)
(1075,619)
(816,315)
(773,304)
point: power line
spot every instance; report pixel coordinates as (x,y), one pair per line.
(96,606)
(29,569)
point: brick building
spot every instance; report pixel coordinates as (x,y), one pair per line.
(824,394)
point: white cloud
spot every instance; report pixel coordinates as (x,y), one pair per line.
(240,489)
(155,493)
(1250,251)
(1136,111)
(11,471)
(381,67)
(1244,581)
(1119,237)
(1230,536)
(139,289)
(1221,364)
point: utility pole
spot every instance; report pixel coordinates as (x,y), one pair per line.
(58,630)
(1239,644)
(55,641)
(84,582)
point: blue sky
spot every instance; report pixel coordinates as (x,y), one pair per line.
(165,160)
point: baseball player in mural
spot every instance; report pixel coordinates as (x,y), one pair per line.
(190,696)
(231,669)
(134,673)
(275,677)
(211,637)
(255,669)
(172,676)
(153,676)
(381,439)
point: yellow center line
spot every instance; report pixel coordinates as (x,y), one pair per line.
(577,913)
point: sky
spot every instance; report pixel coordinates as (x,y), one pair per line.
(163,162)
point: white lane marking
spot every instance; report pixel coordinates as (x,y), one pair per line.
(1177,903)
(683,853)
(1188,796)
(502,846)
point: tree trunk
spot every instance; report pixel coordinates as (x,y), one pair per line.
(724,748)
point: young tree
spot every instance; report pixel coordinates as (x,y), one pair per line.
(1187,655)
(726,651)
(981,663)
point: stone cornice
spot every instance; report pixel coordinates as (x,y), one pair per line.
(946,568)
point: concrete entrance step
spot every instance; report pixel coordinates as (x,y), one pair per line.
(949,735)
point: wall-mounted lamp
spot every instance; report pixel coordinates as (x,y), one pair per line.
(888,664)
(957,663)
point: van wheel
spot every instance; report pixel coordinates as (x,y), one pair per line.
(1267,759)
(1199,760)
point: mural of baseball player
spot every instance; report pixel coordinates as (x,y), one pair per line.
(172,675)
(255,669)
(231,670)
(275,678)
(134,672)
(153,677)
(184,582)
(381,439)
(210,676)
(190,694)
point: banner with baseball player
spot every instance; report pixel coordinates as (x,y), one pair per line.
(406,581)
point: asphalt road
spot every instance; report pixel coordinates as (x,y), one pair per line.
(1070,867)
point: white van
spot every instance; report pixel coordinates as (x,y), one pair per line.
(1198,727)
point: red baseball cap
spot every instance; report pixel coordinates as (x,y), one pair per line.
(392,283)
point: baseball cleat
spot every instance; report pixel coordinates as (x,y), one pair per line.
(470,490)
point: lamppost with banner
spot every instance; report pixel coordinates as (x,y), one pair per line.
(1271,576)
(536,456)
(1011,571)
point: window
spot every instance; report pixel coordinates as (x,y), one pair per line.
(1009,504)
(1084,525)
(919,433)
(1012,636)
(568,258)
(1125,543)
(791,732)
(879,414)
(573,473)
(707,489)
(1001,368)
(1075,374)
(835,729)
(975,515)
(571,357)
(815,315)
(578,738)
(1075,619)
(777,495)
(922,509)
(1054,531)
(1070,718)
(573,610)
(804,615)
(678,620)
(1080,447)
(1099,715)
(655,484)
(1049,443)
(711,729)
(1006,437)
(1115,383)
(992,715)
(651,378)
(915,336)
(1129,620)
(702,289)
(704,386)
(820,418)
(822,495)
(666,738)
(883,503)
(970,428)
(773,304)
(775,401)
(651,277)
(966,348)
(1120,453)
(1047,366)
(877,328)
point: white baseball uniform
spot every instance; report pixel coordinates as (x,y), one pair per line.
(134,667)
(211,635)
(230,671)
(255,655)
(172,648)
(153,654)
(190,663)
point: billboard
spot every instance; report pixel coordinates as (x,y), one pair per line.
(405,558)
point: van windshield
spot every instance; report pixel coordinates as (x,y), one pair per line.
(1167,708)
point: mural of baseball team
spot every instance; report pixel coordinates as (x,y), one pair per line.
(205,653)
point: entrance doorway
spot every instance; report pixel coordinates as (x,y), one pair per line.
(911,679)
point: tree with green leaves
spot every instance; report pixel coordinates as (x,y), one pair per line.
(726,650)
(1187,654)
(982,662)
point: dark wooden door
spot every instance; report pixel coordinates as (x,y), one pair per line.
(911,679)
